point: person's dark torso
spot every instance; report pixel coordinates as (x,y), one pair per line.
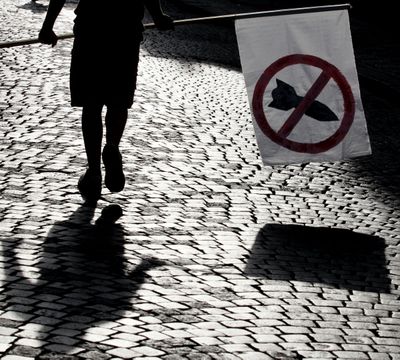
(123,17)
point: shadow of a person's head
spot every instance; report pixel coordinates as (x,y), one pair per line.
(79,243)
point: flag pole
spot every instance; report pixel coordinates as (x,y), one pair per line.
(200,20)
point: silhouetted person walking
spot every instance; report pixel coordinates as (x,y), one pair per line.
(104,65)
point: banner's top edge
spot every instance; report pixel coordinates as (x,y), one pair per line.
(292,11)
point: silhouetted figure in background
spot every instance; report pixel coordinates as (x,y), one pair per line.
(104,64)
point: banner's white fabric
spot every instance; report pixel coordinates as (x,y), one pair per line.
(303,89)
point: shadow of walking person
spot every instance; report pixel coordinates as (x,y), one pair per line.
(84,281)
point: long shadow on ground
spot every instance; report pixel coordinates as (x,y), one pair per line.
(83,279)
(336,257)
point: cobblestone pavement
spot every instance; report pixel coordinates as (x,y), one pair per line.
(215,257)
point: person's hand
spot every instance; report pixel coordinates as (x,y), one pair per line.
(48,37)
(164,22)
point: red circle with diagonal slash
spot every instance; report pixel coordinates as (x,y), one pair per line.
(329,71)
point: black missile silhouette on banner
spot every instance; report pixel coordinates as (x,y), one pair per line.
(284,97)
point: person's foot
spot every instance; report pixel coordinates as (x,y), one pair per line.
(112,160)
(89,186)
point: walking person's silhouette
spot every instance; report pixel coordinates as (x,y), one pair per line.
(104,65)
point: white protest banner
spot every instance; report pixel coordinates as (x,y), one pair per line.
(303,88)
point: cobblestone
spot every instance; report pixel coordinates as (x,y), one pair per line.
(212,258)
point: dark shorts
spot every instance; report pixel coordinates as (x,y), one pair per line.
(104,71)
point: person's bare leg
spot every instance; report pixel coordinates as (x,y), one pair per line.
(116,118)
(89,184)
(92,130)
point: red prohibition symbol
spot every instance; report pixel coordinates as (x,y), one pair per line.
(329,71)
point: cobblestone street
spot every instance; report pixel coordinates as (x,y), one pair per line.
(216,256)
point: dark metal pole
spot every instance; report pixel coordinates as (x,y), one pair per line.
(209,19)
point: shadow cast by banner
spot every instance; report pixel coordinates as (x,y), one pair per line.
(336,257)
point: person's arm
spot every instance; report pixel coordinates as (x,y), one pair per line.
(161,20)
(46,34)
